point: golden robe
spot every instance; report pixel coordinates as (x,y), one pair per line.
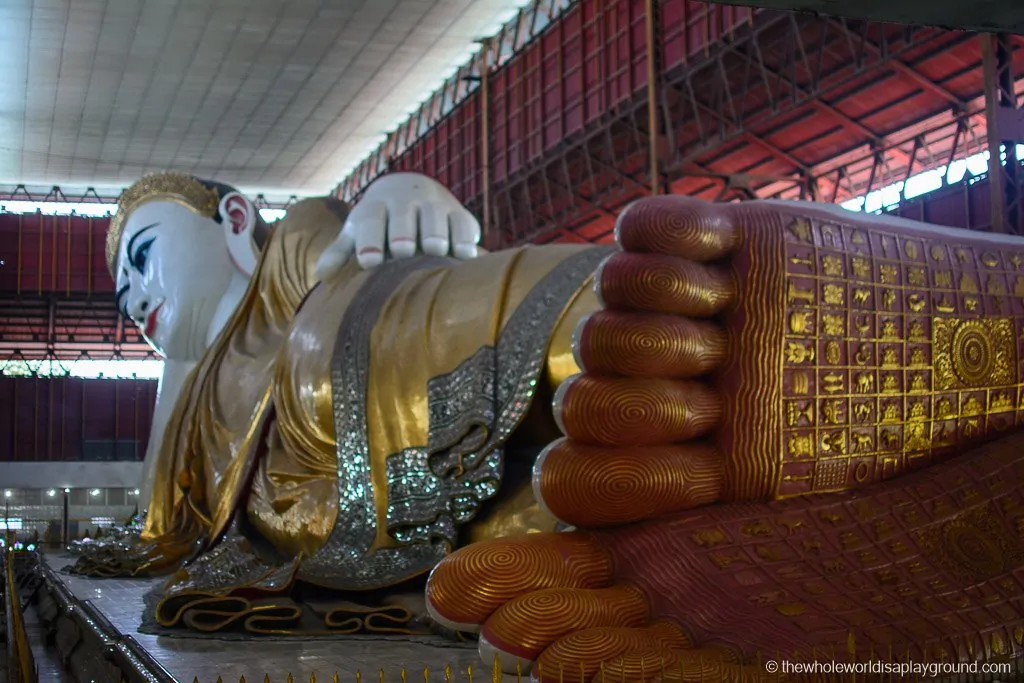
(354,426)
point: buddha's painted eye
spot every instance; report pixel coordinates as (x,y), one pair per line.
(140,255)
(137,255)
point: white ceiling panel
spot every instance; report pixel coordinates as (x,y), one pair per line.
(278,96)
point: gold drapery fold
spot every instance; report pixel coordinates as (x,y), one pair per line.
(203,461)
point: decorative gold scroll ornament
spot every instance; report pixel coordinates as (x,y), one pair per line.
(180,188)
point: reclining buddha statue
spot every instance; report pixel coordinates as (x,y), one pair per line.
(753,428)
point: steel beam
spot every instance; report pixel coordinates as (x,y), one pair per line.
(55,194)
(981,15)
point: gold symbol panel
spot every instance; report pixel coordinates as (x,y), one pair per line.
(897,350)
(973,353)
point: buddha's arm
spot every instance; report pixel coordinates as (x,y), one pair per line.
(453,325)
(287,269)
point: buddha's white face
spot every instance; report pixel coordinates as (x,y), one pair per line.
(173,269)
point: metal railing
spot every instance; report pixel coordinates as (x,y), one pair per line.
(21,667)
(830,668)
(94,643)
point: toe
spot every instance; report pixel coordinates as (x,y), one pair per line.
(633,411)
(697,666)
(522,628)
(682,226)
(581,655)
(467,587)
(664,284)
(648,345)
(597,486)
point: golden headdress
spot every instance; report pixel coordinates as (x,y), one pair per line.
(181,188)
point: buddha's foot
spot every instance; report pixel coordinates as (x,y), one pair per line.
(753,352)
(771,349)
(926,568)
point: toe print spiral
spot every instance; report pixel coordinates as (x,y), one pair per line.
(681,226)
(527,625)
(664,284)
(467,586)
(578,656)
(598,486)
(649,345)
(635,411)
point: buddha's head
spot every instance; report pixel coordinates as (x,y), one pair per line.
(173,248)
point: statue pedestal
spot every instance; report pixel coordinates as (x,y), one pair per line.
(95,628)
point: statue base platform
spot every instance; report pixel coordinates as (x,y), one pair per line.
(93,625)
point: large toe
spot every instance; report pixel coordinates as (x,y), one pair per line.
(581,655)
(667,663)
(522,628)
(468,586)
(682,226)
(696,666)
(597,486)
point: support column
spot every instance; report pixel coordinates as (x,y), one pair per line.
(490,240)
(1010,130)
(64,521)
(1005,127)
(650,17)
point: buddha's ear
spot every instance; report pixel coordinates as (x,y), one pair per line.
(238,218)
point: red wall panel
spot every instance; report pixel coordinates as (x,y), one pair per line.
(49,419)
(63,254)
(450,155)
(967,204)
(692,29)
(589,62)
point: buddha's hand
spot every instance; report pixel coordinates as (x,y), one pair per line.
(400,216)
(745,352)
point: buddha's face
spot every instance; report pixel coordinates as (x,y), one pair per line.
(173,269)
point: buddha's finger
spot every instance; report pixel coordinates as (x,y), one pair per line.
(680,226)
(403,225)
(434,234)
(521,629)
(660,283)
(629,411)
(648,345)
(465,234)
(367,223)
(466,587)
(597,486)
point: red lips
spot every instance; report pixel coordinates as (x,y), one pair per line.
(151,322)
